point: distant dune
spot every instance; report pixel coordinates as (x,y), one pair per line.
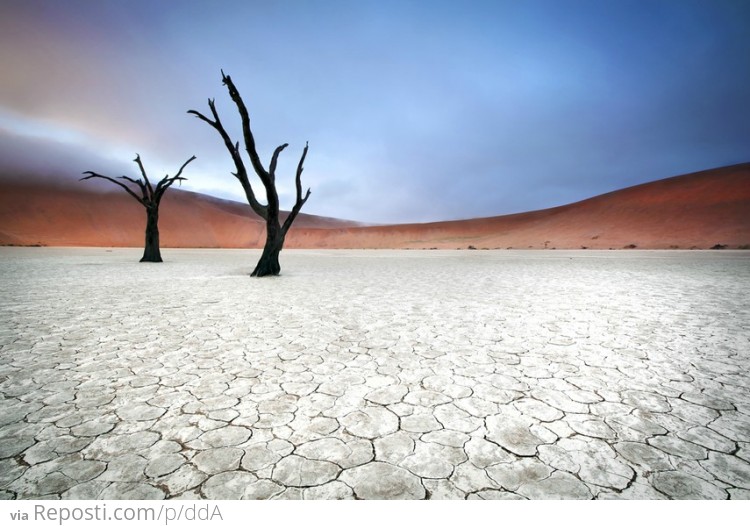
(34,213)
(699,210)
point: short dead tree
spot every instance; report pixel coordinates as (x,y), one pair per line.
(268,265)
(150,199)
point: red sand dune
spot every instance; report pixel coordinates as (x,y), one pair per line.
(698,210)
(36,214)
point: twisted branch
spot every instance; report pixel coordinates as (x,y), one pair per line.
(137,160)
(151,197)
(234,152)
(300,200)
(165,183)
(143,200)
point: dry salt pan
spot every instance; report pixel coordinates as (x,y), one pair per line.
(375,375)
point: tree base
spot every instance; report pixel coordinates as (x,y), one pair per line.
(260,272)
(268,265)
(152,253)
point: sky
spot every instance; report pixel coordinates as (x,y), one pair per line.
(414,110)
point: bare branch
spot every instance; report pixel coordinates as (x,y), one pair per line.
(141,200)
(202,117)
(179,172)
(300,200)
(247,132)
(169,181)
(137,160)
(140,184)
(298,177)
(274,159)
(295,211)
(234,152)
(136,181)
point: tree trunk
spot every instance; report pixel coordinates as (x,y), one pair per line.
(151,252)
(268,265)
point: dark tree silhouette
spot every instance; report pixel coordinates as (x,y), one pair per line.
(268,265)
(151,197)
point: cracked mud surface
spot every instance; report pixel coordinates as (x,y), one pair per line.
(375,375)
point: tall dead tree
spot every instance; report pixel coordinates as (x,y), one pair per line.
(150,199)
(268,265)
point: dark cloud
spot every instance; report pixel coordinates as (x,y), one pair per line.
(40,160)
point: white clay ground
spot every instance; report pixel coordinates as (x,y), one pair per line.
(375,374)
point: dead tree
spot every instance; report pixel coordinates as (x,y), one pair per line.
(150,199)
(268,265)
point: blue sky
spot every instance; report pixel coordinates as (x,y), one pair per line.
(415,111)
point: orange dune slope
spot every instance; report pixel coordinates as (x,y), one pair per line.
(698,210)
(32,213)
